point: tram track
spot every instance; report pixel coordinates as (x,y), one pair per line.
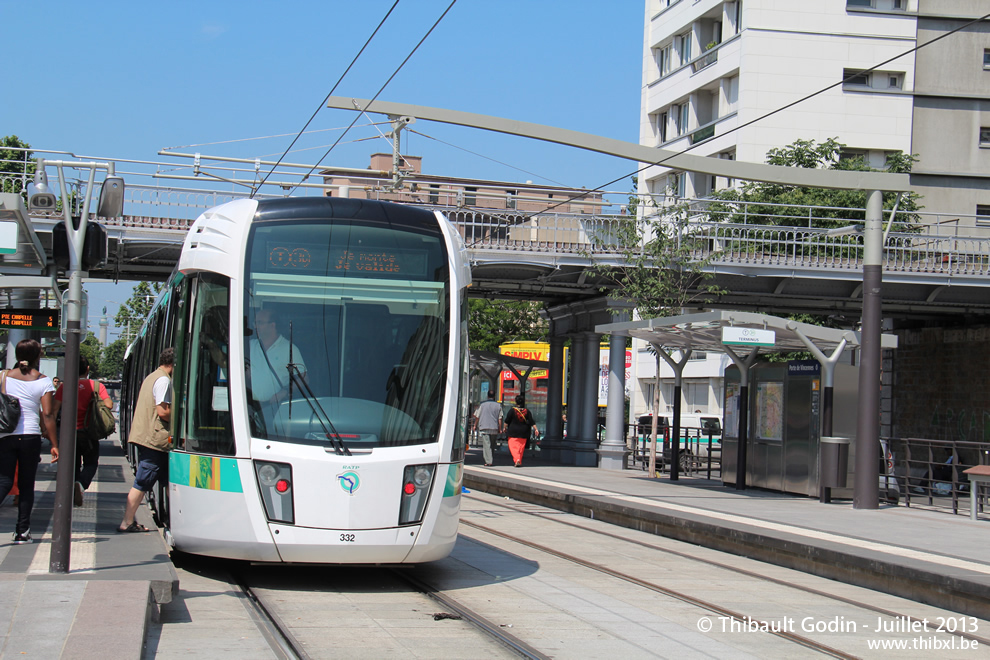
(283,643)
(682,596)
(491,629)
(710,562)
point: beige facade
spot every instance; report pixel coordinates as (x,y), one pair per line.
(378,182)
(952,111)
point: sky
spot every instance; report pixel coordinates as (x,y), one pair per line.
(124,80)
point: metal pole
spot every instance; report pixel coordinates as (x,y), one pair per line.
(66,474)
(866,493)
(613,449)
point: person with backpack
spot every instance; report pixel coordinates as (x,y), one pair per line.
(87,446)
(20,449)
(518,424)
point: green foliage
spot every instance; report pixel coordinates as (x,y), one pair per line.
(90,349)
(657,266)
(14,161)
(112,364)
(495,322)
(845,205)
(133,313)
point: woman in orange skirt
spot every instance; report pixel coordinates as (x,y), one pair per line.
(518,423)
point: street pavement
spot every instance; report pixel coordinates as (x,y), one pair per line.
(102,607)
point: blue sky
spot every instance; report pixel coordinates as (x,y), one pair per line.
(123,80)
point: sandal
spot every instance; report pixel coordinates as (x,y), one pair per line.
(133,527)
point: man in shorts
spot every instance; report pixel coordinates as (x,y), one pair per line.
(150,431)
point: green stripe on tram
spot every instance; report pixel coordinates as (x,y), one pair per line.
(452,485)
(206,472)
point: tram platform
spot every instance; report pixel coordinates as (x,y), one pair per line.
(102,607)
(931,557)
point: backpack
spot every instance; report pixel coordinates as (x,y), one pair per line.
(99,419)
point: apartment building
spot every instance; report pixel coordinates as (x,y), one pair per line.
(711,68)
(409,185)
(714,71)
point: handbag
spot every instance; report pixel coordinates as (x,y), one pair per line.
(10,407)
(99,419)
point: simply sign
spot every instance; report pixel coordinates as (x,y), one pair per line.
(748,336)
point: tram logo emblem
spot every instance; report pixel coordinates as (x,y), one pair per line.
(349,481)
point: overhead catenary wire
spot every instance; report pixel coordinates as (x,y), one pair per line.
(330,93)
(380,90)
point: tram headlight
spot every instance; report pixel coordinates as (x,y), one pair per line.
(267,474)
(417,481)
(275,486)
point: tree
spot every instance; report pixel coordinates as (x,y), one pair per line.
(495,322)
(843,205)
(15,161)
(112,364)
(90,349)
(654,264)
(137,308)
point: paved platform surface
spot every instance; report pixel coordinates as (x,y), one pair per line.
(99,609)
(928,556)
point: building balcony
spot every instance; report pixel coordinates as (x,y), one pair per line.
(702,72)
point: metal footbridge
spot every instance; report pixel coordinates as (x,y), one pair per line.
(934,268)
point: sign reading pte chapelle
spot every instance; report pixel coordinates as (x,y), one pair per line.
(748,337)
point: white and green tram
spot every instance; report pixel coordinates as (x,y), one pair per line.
(319,390)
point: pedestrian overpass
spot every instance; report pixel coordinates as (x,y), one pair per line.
(940,270)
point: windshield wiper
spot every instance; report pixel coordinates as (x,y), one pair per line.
(295,376)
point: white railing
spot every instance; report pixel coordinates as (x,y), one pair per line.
(774,235)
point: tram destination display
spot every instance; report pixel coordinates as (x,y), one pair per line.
(370,261)
(30,319)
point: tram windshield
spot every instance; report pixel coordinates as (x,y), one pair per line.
(361,313)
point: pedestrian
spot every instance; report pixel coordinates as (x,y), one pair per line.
(87,449)
(20,449)
(150,431)
(519,425)
(488,421)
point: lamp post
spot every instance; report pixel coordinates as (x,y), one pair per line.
(110,204)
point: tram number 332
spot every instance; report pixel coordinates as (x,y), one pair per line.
(347,538)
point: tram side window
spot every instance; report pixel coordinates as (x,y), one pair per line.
(206,420)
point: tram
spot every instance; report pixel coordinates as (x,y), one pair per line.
(320,383)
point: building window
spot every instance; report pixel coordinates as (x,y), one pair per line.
(859,3)
(471,196)
(434,193)
(510,199)
(662,127)
(983,214)
(680,113)
(986,58)
(853,79)
(663,60)
(985,136)
(695,396)
(684,45)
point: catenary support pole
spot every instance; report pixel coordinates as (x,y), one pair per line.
(866,491)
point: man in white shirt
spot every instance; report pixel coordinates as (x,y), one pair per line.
(269,357)
(488,418)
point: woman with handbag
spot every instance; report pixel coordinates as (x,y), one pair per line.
(518,423)
(20,446)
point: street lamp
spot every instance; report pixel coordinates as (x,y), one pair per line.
(110,205)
